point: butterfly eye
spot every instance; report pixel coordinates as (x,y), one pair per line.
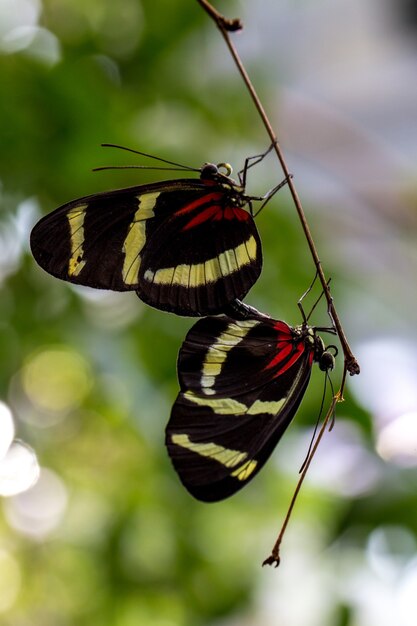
(209,170)
(327,361)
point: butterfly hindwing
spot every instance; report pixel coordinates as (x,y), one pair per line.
(241,384)
(202,267)
(185,246)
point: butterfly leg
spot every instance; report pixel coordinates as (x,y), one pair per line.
(250,162)
(271,193)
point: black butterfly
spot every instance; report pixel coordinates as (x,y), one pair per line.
(188,246)
(241,381)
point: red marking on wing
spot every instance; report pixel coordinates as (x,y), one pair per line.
(230,213)
(283,353)
(284,349)
(208,198)
(284,345)
(299,349)
(283,328)
(213,212)
(235,213)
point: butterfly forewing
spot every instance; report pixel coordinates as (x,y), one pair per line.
(241,385)
(184,245)
(99,240)
(222,356)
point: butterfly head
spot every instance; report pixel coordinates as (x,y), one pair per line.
(212,172)
(322,354)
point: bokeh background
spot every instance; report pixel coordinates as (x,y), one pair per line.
(95,528)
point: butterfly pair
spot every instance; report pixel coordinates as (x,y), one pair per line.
(191,247)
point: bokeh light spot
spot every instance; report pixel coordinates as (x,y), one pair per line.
(6,429)
(397,442)
(38,511)
(19,469)
(386,359)
(56,380)
(406,596)
(15,14)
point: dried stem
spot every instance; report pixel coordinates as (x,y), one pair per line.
(274,558)
(225,26)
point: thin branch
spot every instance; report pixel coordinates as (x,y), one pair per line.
(223,24)
(274,558)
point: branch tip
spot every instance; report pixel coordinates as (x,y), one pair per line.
(353,367)
(225,24)
(272,560)
(233,25)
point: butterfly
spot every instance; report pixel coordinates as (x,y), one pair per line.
(188,246)
(242,381)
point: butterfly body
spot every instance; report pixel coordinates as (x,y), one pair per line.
(241,384)
(188,245)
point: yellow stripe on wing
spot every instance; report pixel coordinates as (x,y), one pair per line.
(221,406)
(228,458)
(243,472)
(225,456)
(210,271)
(229,406)
(76,218)
(217,353)
(136,237)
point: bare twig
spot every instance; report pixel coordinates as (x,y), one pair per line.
(223,24)
(274,558)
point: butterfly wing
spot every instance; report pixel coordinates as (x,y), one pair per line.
(206,255)
(99,240)
(175,242)
(241,384)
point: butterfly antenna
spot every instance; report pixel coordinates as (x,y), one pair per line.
(317,423)
(299,303)
(317,301)
(332,419)
(150,156)
(300,306)
(138,167)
